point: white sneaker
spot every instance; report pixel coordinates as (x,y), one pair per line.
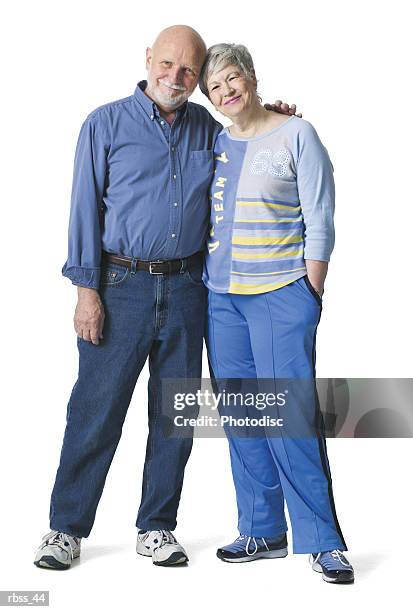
(57,550)
(162,546)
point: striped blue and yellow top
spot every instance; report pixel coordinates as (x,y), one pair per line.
(272,207)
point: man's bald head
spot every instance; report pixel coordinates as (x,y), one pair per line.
(174,63)
(182,34)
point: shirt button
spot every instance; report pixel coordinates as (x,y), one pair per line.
(174,176)
(151,116)
(173,235)
(175,204)
(162,122)
(172,148)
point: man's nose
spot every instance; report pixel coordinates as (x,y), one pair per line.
(176,74)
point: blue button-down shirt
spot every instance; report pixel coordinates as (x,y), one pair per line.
(140,185)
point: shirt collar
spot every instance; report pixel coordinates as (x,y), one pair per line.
(149,106)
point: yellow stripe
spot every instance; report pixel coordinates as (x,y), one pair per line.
(267,240)
(298,219)
(265,273)
(249,289)
(267,204)
(250,255)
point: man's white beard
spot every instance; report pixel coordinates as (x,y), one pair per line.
(170,100)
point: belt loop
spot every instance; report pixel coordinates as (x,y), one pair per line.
(133,265)
(183,266)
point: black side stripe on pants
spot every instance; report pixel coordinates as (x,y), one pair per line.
(320,429)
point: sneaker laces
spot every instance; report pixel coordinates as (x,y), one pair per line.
(247,546)
(336,554)
(59,539)
(164,537)
(339,556)
(167,537)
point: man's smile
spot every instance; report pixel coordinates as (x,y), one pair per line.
(177,88)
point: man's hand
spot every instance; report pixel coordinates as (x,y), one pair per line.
(282,107)
(89,315)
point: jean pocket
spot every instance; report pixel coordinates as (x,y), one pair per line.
(113,275)
(194,273)
(313,292)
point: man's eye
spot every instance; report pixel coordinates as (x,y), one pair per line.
(189,71)
(167,63)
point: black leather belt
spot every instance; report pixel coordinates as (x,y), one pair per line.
(159,266)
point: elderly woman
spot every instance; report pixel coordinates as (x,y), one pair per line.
(271,237)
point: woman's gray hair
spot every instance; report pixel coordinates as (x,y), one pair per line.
(220,56)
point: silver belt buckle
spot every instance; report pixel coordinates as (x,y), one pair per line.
(151,263)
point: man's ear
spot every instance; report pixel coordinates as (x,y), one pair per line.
(148,57)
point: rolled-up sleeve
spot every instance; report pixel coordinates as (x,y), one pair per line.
(316,191)
(82,266)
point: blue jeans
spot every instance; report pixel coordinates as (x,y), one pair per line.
(160,317)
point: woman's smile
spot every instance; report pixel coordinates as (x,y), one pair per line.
(233,100)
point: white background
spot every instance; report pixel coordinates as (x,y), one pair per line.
(346,66)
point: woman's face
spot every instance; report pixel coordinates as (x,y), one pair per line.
(231,92)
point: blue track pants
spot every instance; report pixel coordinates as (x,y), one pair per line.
(272,335)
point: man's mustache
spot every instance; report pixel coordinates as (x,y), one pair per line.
(173,85)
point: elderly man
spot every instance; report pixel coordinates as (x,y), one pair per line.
(138,222)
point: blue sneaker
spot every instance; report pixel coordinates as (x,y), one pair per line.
(333,565)
(248,548)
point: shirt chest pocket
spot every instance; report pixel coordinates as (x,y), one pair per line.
(201,167)
(198,158)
